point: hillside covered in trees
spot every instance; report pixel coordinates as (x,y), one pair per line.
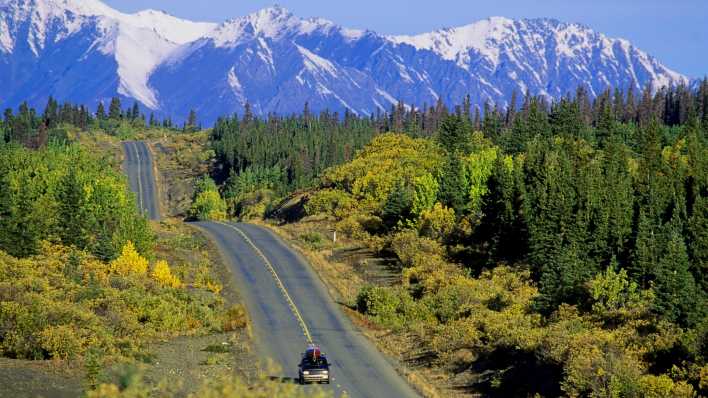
(88,286)
(563,242)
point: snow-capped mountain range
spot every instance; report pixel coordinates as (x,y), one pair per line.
(84,51)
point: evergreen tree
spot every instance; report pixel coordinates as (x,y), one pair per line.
(135,111)
(100,111)
(566,119)
(455,134)
(114,110)
(50,113)
(605,124)
(398,206)
(674,285)
(191,123)
(698,242)
(454,185)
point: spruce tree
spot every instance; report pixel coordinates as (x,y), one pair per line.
(698,242)
(100,111)
(398,206)
(674,285)
(135,112)
(191,123)
(50,113)
(454,185)
(115,110)
(455,135)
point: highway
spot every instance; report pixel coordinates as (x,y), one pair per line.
(139,169)
(289,305)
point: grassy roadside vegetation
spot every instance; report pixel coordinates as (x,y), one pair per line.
(94,298)
(93,304)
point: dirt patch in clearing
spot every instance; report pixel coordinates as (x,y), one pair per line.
(20,379)
(191,361)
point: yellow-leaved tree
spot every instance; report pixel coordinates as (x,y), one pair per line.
(130,261)
(162,274)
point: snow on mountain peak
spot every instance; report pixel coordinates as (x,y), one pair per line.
(454,44)
(174,29)
(274,23)
(521,42)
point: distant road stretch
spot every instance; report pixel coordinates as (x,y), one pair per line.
(139,168)
(287,302)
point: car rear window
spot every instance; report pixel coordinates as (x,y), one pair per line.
(321,364)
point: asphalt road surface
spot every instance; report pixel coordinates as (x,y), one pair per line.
(287,302)
(138,166)
(271,287)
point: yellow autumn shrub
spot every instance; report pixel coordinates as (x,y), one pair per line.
(63,302)
(438,222)
(663,387)
(129,262)
(162,274)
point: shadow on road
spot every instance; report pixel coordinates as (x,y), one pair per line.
(284,379)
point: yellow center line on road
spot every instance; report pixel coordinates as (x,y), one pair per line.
(278,281)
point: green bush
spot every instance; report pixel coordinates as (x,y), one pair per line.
(332,202)
(390,307)
(207,203)
(313,239)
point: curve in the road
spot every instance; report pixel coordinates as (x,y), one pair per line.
(287,302)
(265,267)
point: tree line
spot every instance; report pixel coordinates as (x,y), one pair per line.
(35,129)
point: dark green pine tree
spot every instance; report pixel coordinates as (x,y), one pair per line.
(72,222)
(454,185)
(698,242)
(566,119)
(100,111)
(191,123)
(398,206)
(50,113)
(563,278)
(532,122)
(23,124)
(455,134)
(647,250)
(135,111)
(114,110)
(674,286)
(493,123)
(557,252)
(618,201)
(630,108)
(503,223)
(605,125)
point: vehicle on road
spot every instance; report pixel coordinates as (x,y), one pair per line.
(314,367)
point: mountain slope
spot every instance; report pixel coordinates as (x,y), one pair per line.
(50,46)
(84,51)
